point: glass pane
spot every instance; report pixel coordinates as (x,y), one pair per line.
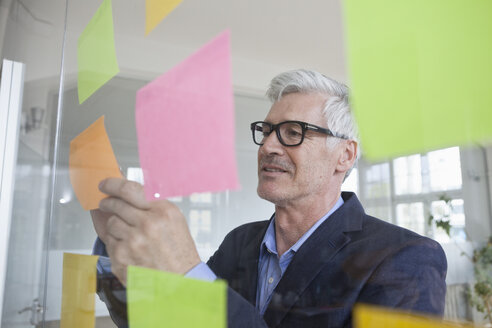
(201,228)
(31,33)
(209,215)
(204,198)
(135,174)
(452,213)
(352,181)
(445,169)
(380,212)
(34,35)
(411,216)
(377,181)
(407,175)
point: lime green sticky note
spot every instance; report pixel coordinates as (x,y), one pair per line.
(157,299)
(96,55)
(420,73)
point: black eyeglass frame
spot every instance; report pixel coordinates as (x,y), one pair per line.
(304,126)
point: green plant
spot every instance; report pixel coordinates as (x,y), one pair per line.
(443,221)
(480,295)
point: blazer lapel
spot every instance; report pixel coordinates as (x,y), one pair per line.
(318,250)
(248,265)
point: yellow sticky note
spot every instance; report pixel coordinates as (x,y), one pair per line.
(91,161)
(78,291)
(157,10)
(96,54)
(367,316)
(157,299)
(420,73)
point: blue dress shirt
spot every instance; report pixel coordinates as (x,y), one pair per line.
(271,267)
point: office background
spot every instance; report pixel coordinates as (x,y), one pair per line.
(268,37)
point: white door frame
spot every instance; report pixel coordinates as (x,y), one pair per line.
(11,89)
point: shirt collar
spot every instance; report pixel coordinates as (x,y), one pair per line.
(269,242)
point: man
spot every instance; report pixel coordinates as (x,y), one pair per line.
(318,255)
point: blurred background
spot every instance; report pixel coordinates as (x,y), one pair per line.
(444,193)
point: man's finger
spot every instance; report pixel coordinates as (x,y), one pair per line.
(118,228)
(120,272)
(119,258)
(130,191)
(122,209)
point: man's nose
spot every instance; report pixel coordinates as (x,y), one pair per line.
(271,144)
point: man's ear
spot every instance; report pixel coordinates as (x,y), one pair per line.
(348,155)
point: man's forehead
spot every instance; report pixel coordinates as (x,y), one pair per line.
(298,106)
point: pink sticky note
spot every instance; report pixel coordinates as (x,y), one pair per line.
(185,125)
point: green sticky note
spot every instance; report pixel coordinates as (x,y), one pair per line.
(420,73)
(96,55)
(158,299)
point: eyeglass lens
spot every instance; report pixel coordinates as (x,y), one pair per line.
(290,133)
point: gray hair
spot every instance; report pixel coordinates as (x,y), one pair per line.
(337,109)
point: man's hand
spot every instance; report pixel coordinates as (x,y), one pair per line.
(139,232)
(100,219)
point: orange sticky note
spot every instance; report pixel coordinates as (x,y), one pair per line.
(78,291)
(157,10)
(370,316)
(91,160)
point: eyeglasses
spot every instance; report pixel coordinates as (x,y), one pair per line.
(289,133)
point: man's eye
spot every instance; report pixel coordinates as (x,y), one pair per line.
(293,133)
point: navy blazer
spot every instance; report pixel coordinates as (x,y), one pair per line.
(352,257)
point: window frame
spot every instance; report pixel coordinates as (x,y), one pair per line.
(425,197)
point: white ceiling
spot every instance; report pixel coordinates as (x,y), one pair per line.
(288,33)
(268,36)
(276,35)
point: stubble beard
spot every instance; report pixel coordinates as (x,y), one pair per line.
(268,187)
